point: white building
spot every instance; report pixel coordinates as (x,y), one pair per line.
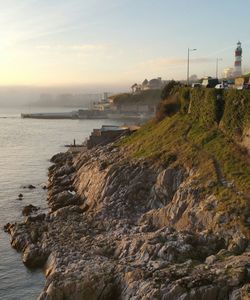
(228,73)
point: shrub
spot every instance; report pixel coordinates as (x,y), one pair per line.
(184,94)
(168,107)
(168,89)
(169,104)
(236,115)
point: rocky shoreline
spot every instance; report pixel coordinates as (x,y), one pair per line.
(122,228)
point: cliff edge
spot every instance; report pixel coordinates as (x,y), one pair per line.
(162,214)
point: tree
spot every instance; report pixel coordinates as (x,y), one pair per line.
(168,89)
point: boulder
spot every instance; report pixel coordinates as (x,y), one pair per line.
(64,199)
(28,209)
(37,218)
(33,257)
(59,157)
(6,227)
(31,187)
(210,259)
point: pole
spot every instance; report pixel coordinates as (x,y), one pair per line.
(217,66)
(188,64)
(216,73)
(188,69)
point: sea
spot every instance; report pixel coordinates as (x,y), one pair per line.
(26,145)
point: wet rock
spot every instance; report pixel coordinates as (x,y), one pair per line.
(37,218)
(28,209)
(64,199)
(19,236)
(60,157)
(65,170)
(7,227)
(67,211)
(31,187)
(129,230)
(57,157)
(33,257)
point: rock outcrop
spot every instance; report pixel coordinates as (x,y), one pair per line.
(28,209)
(121,228)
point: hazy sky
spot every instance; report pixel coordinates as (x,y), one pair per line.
(58,42)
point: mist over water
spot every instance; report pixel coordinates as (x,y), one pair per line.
(26,145)
(17,97)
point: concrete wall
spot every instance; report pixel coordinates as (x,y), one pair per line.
(99,137)
(141,108)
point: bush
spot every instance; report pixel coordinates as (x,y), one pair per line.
(169,104)
(168,107)
(184,94)
(168,89)
(236,115)
(150,97)
(206,106)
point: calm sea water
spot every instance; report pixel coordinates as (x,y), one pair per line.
(26,146)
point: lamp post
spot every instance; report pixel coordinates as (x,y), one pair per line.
(189,50)
(217,64)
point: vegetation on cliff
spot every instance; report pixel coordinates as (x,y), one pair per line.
(169,104)
(203,135)
(165,219)
(149,97)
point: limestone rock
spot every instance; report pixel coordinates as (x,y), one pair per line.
(122,228)
(34,257)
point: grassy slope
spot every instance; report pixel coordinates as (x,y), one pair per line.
(179,140)
(150,97)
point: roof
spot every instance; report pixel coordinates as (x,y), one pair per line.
(111,128)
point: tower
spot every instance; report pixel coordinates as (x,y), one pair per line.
(237,62)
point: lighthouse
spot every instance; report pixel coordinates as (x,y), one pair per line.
(238,58)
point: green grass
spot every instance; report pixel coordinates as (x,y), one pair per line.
(234,161)
(150,97)
(180,140)
(160,141)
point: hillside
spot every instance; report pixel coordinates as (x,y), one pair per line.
(209,134)
(149,97)
(161,214)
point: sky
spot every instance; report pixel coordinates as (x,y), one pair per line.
(117,42)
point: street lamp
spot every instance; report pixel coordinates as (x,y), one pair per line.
(189,50)
(217,63)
